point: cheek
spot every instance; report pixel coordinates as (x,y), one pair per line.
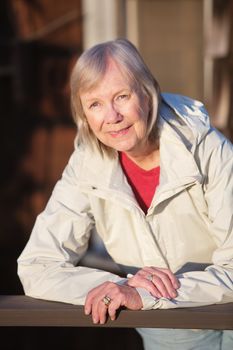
(131,112)
(93,122)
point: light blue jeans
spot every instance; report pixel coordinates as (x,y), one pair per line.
(185,339)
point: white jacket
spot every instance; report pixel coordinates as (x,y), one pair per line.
(188,227)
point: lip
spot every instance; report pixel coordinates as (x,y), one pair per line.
(120,132)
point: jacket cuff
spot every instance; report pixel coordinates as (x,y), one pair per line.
(148,301)
(122,281)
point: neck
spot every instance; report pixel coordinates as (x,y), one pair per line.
(147,159)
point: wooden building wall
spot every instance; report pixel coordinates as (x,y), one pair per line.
(191,52)
(39,42)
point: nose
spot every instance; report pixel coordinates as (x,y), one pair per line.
(113,116)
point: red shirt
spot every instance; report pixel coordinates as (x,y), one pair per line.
(143,182)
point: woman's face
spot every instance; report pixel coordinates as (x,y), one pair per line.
(116,114)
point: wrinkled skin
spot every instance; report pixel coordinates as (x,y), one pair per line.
(163,284)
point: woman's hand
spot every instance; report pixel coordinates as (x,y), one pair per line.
(159,282)
(118,295)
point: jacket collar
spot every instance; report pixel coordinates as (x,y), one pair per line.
(191,113)
(178,169)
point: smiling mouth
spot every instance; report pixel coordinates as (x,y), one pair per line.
(121,132)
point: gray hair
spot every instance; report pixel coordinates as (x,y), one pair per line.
(90,69)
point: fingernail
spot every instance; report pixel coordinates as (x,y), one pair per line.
(86,311)
(95,320)
(174,294)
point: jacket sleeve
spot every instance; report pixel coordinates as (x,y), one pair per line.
(215,284)
(47,267)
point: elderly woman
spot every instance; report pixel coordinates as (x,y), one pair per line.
(155,180)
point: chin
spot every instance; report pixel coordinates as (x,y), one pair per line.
(122,149)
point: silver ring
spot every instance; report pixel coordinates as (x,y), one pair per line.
(150,277)
(106,300)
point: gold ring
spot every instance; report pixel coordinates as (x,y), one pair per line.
(106,300)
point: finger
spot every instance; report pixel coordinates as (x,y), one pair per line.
(94,301)
(142,282)
(93,293)
(89,301)
(164,286)
(163,283)
(102,312)
(170,281)
(117,296)
(87,306)
(174,280)
(98,310)
(113,307)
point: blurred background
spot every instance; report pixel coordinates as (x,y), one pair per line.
(188,44)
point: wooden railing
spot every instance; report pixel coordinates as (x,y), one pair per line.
(24,311)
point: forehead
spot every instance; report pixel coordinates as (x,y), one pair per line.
(113,80)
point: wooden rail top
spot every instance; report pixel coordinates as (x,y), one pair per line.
(20,310)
